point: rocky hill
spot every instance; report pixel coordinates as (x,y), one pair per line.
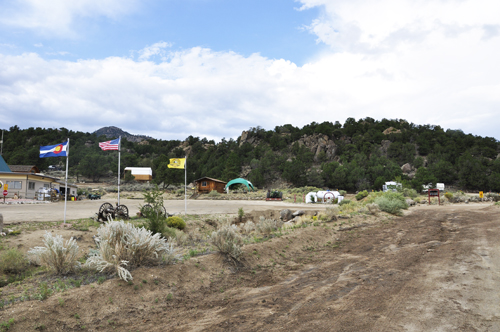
(112,132)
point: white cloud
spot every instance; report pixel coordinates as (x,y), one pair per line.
(154,50)
(380,26)
(428,62)
(56,17)
(38,45)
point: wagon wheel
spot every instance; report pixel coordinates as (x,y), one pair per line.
(146,209)
(164,212)
(106,210)
(121,212)
(54,197)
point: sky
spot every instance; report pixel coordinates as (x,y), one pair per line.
(214,68)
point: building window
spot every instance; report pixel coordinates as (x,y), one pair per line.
(46,185)
(31,185)
(15,184)
(204,184)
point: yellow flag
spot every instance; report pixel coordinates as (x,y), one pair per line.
(177,163)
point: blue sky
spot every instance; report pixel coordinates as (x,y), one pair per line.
(213,68)
(275,29)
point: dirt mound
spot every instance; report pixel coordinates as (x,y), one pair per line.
(376,274)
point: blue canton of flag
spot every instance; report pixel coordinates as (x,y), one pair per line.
(58,150)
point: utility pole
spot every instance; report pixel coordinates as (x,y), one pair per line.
(1,144)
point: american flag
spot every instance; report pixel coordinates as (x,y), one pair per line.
(110,145)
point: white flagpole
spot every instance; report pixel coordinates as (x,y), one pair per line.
(66,183)
(185,185)
(119,157)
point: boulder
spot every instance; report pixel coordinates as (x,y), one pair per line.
(406,168)
(298,213)
(391,130)
(286,214)
(410,202)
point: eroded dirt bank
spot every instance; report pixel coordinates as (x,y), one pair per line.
(436,269)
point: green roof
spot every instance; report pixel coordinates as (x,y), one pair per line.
(3,165)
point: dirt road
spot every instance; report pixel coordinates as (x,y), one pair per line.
(87,208)
(435,269)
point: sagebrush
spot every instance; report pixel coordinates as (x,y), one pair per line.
(267,226)
(56,255)
(228,241)
(122,245)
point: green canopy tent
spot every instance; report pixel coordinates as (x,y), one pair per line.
(240,180)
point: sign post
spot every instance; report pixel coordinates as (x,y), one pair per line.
(434,193)
(5,192)
(481,195)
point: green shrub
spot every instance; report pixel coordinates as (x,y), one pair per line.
(391,202)
(345,201)
(448,195)
(176,222)
(407,192)
(342,192)
(169,233)
(213,193)
(13,261)
(241,213)
(348,206)
(361,195)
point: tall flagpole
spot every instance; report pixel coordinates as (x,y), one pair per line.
(185,185)
(66,182)
(119,157)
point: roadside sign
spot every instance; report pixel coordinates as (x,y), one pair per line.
(6,187)
(5,193)
(481,195)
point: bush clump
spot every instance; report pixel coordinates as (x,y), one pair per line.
(361,195)
(13,261)
(176,222)
(373,208)
(228,242)
(391,202)
(56,255)
(449,196)
(121,244)
(213,193)
(332,212)
(344,202)
(267,226)
(407,192)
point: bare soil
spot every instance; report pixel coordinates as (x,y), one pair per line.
(435,269)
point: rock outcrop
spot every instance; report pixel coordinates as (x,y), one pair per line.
(318,143)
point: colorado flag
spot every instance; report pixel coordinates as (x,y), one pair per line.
(58,150)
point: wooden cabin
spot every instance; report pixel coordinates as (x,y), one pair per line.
(206,185)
